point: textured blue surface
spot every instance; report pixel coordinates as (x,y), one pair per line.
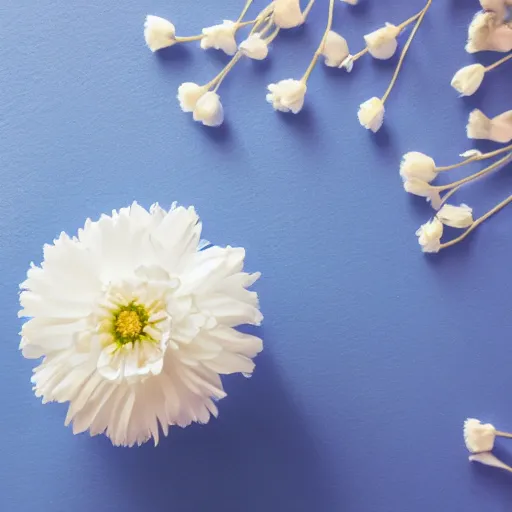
(374,354)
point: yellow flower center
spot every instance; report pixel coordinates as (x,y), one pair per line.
(128,323)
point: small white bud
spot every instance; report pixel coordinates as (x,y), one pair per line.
(479,437)
(254,47)
(189,94)
(220,37)
(488,459)
(429,235)
(348,64)
(335,50)
(287,95)
(351,2)
(418,165)
(287,13)
(158,33)
(421,188)
(209,110)
(497,129)
(468,79)
(456,217)
(382,43)
(371,114)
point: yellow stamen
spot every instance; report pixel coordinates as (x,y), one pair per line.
(128,324)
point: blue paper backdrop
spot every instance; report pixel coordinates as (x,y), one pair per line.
(374,353)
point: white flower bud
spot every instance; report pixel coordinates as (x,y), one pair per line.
(287,13)
(220,37)
(351,2)
(418,165)
(488,459)
(497,129)
(335,50)
(382,43)
(456,216)
(209,110)
(189,94)
(479,437)
(348,64)
(371,114)
(287,95)
(158,33)
(429,235)
(468,79)
(423,189)
(254,47)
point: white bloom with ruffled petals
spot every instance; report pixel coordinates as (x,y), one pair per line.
(134,319)
(468,79)
(158,33)
(418,165)
(478,436)
(287,95)
(254,47)
(220,37)
(335,49)
(456,216)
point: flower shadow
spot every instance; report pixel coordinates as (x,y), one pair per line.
(303,122)
(178,52)
(259,455)
(221,135)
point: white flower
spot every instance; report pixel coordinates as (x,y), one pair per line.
(418,165)
(479,437)
(429,236)
(371,114)
(423,189)
(134,319)
(470,153)
(488,32)
(382,43)
(468,79)
(287,13)
(254,47)
(488,459)
(159,33)
(335,50)
(497,129)
(351,2)
(220,37)
(456,217)
(348,64)
(208,110)
(189,94)
(287,95)
(497,6)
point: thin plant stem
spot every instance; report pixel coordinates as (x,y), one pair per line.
(473,226)
(499,62)
(483,172)
(244,11)
(503,434)
(305,12)
(272,36)
(322,43)
(226,70)
(475,158)
(358,55)
(188,39)
(405,50)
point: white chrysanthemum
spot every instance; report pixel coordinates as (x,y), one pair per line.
(418,165)
(254,47)
(135,321)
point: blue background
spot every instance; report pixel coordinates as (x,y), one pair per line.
(374,354)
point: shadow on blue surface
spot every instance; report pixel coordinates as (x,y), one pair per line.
(259,456)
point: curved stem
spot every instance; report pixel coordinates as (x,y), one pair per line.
(473,226)
(499,62)
(220,77)
(495,165)
(305,12)
(272,36)
(475,158)
(404,51)
(244,11)
(322,43)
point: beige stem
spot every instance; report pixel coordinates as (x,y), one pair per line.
(498,62)
(475,158)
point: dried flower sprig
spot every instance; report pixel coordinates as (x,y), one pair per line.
(468,79)
(432,193)
(488,459)
(497,129)
(371,112)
